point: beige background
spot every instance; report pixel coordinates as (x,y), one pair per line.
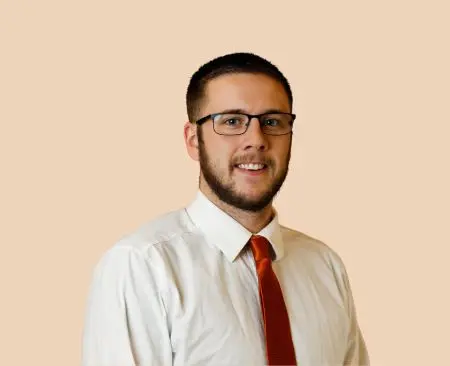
(92,110)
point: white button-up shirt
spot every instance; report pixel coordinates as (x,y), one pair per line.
(183,290)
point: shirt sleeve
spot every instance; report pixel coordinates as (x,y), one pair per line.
(125,320)
(356,354)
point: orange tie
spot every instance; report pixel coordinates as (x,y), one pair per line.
(279,346)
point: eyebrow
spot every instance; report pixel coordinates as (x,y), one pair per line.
(241,111)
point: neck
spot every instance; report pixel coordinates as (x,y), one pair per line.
(252,221)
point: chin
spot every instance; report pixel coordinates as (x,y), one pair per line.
(252,197)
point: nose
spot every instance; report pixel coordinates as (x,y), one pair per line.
(254,137)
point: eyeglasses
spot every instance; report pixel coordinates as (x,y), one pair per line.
(279,123)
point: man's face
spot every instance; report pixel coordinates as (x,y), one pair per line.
(220,156)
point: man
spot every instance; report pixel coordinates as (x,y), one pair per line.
(221,282)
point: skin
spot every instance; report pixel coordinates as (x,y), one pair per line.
(245,197)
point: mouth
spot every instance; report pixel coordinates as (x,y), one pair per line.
(251,168)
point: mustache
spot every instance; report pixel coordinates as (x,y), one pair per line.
(253,158)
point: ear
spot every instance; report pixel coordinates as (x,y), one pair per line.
(191,140)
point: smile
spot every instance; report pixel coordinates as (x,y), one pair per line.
(251,166)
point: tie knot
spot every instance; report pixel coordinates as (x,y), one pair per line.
(260,247)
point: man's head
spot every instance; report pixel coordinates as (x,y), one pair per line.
(245,84)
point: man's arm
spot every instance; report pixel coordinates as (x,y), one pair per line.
(357,354)
(125,322)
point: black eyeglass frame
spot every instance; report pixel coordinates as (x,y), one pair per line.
(250,117)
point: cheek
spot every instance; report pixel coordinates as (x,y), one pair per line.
(225,159)
(219,157)
(282,154)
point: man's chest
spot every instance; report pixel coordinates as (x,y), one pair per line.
(214,315)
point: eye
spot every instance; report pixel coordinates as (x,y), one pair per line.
(271,122)
(232,121)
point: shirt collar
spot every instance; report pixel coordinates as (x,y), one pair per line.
(223,231)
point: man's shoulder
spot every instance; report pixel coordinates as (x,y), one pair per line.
(161,229)
(300,242)
(299,238)
(135,248)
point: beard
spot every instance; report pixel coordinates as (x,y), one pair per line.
(227,192)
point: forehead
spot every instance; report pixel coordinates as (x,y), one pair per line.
(253,93)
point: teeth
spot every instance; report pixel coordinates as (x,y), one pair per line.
(251,166)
